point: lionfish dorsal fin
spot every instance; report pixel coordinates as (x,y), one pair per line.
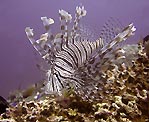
(65,19)
(47,22)
(30,35)
(44,43)
(80,12)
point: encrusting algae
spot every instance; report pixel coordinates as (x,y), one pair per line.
(122,96)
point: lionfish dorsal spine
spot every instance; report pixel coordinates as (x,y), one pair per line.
(30,35)
(44,42)
(65,19)
(80,12)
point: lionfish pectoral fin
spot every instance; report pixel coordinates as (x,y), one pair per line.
(110,29)
(127,32)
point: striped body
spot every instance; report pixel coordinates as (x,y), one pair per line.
(73,61)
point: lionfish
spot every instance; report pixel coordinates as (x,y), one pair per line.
(73,60)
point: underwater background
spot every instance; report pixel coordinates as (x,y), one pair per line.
(18,59)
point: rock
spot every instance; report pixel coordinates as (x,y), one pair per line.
(3,105)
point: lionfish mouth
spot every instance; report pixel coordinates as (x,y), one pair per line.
(73,59)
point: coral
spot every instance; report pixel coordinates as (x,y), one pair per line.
(124,98)
(146,44)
